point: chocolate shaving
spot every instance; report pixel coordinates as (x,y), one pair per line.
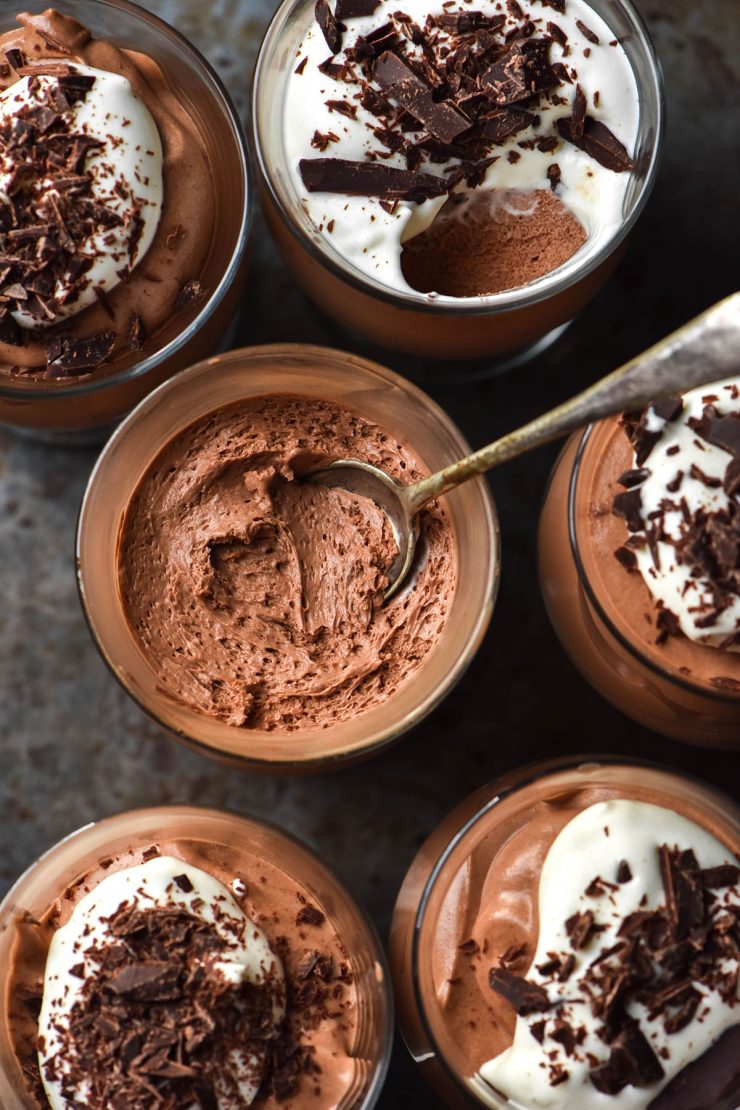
(587,32)
(136,333)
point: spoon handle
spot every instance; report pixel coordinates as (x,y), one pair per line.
(707,349)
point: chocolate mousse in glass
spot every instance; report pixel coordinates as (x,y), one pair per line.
(183,956)
(639,564)
(568,938)
(242,606)
(449,182)
(124,212)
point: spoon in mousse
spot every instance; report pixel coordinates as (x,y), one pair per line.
(706,349)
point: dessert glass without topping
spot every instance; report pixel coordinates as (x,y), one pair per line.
(379,396)
(231,848)
(454,899)
(78,407)
(604,617)
(413,322)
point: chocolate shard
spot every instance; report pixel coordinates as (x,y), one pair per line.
(720,431)
(524,996)
(520,73)
(73,356)
(146,981)
(726,874)
(578,117)
(668,408)
(309,915)
(15,57)
(629,506)
(499,125)
(598,142)
(682,883)
(554,176)
(626,556)
(136,333)
(580,928)
(441,118)
(330,28)
(183,883)
(368,179)
(355,9)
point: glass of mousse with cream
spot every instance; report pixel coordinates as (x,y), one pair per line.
(640,567)
(124,210)
(242,606)
(568,938)
(183,956)
(453,181)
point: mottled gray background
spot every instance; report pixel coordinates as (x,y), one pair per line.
(75,748)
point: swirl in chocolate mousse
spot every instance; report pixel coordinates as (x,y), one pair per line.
(166,978)
(590,956)
(106,205)
(258,598)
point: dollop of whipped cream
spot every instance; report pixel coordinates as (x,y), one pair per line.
(81,189)
(602,878)
(327,115)
(80,952)
(682,508)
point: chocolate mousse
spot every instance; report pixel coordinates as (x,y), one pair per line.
(258,597)
(584,950)
(526,114)
(107,209)
(183,974)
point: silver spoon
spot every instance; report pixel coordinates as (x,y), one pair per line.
(706,349)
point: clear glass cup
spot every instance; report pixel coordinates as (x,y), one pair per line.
(489,327)
(75,411)
(483,824)
(200,828)
(588,612)
(376,393)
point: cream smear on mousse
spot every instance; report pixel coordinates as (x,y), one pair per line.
(682,509)
(586,1035)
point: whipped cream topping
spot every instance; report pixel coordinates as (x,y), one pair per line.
(686,532)
(363,232)
(124,176)
(595,843)
(161,883)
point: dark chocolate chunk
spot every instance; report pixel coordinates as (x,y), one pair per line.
(720,431)
(354,9)
(182,882)
(668,408)
(15,57)
(146,982)
(73,356)
(499,125)
(624,872)
(598,142)
(136,333)
(683,888)
(578,117)
(626,556)
(726,874)
(524,70)
(368,179)
(524,996)
(441,118)
(553,176)
(629,506)
(309,915)
(580,928)
(330,29)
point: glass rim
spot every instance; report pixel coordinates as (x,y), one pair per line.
(641,657)
(526,776)
(16,388)
(384,735)
(547,286)
(7,906)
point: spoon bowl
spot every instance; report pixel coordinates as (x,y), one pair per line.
(707,349)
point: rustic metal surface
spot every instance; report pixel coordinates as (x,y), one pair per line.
(74,748)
